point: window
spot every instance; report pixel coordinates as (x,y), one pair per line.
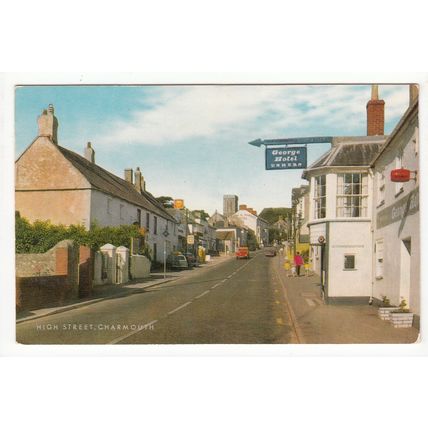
(380,187)
(379,258)
(148,221)
(122,211)
(139,217)
(155,226)
(320,196)
(349,262)
(398,165)
(109,203)
(352,194)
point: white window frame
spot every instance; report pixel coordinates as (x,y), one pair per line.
(345,196)
(320,197)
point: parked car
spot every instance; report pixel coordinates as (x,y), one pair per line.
(242,253)
(270,252)
(192,261)
(177,261)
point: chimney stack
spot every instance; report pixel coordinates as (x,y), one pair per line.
(90,153)
(242,207)
(129,175)
(140,184)
(413,93)
(48,124)
(375,113)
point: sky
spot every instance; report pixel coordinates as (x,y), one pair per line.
(191,142)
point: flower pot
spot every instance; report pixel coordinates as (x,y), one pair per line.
(401,319)
(384,311)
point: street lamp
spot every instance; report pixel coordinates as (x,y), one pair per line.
(165,234)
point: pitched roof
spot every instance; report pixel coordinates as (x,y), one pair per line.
(109,183)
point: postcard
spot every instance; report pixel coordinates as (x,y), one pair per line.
(194,214)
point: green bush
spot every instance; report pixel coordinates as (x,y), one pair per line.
(40,236)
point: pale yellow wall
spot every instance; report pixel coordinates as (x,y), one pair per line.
(47,187)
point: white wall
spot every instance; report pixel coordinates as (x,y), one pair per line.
(392,234)
(354,238)
(128,215)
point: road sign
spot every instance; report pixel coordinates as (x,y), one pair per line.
(286,158)
(286,141)
(190,239)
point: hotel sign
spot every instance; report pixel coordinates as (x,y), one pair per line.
(400,210)
(286,158)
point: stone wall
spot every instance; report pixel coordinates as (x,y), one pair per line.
(47,279)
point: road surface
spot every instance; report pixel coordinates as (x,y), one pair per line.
(234,302)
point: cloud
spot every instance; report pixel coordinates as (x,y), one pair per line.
(169,115)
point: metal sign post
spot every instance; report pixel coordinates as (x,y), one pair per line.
(166,234)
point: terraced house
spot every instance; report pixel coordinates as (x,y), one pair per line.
(56,184)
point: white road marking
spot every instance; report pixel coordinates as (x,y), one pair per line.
(310,302)
(224,280)
(215,285)
(131,333)
(180,307)
(203,294)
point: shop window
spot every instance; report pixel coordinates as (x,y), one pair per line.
(352,195)
(148,221)
(349,262)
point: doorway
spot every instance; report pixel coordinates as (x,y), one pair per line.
(405,269)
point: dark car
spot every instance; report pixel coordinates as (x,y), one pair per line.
(192,261)
(270,252)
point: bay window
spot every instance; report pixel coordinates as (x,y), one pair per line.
(352,195)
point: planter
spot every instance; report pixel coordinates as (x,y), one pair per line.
(384,312)
(401,319)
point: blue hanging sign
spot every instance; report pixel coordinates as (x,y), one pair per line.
(286,158)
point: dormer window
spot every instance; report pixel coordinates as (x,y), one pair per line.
(352,195)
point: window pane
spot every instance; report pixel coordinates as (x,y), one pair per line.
(349,262)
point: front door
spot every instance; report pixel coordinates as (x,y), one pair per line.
(405,269)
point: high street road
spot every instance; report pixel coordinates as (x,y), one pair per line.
(234,302)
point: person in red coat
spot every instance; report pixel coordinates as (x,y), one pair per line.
(298,261)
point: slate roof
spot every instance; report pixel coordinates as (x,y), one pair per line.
(350,151)
(109,183)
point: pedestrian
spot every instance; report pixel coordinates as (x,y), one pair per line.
(298,261)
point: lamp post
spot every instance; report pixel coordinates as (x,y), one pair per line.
(165,234)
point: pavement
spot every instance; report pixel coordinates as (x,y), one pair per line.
(105,292)
(320,323)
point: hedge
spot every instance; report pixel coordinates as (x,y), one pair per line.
(40,236)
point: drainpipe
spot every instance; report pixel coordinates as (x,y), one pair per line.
(372,237)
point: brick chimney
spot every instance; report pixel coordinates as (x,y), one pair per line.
(375,113)
(89,153)
(129,175)
(48,124)
(242,207)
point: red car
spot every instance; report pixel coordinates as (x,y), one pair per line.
(242,253)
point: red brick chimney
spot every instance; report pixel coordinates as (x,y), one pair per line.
(375,114)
